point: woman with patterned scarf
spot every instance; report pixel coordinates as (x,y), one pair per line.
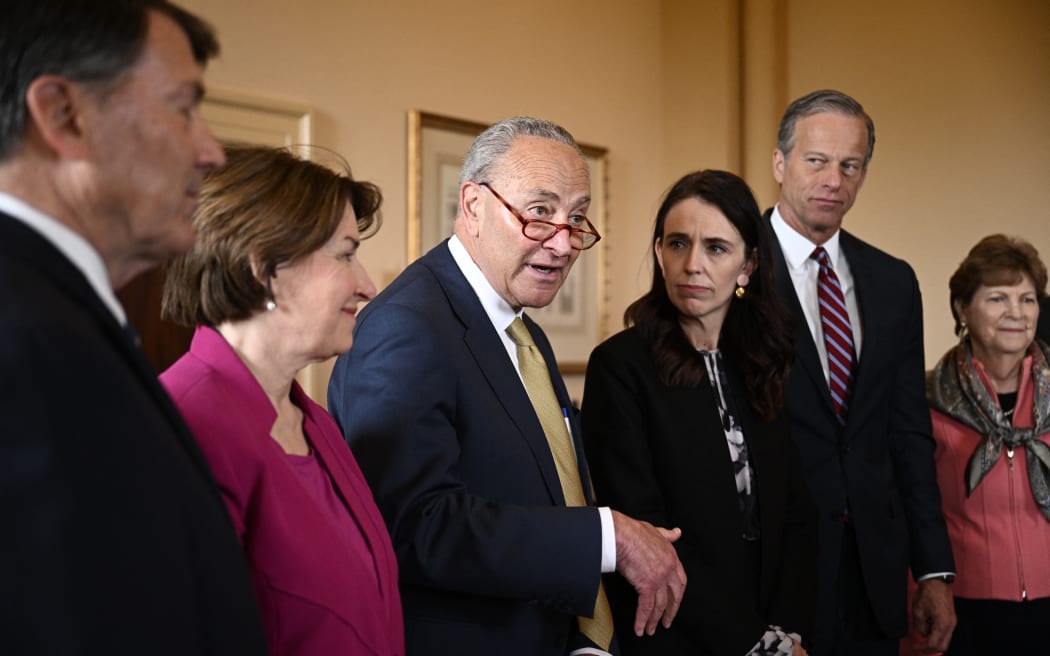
(990,404)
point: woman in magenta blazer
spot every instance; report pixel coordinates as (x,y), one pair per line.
(272,285)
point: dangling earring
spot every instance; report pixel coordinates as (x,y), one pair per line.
(964,330)
(271,304)
(741,285)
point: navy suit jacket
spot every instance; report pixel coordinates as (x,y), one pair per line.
(116,540)
(491,560)
(881,462)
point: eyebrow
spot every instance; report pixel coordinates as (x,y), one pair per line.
(550,195)
(717,240)
(355,242)
(818,153)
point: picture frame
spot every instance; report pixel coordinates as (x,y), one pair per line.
(575,321)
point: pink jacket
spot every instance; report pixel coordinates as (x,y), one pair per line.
(1000,539)
(315,599)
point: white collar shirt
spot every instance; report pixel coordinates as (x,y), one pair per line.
(804,271)
(75,248)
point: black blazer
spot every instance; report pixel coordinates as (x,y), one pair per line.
(491,560)
(881,462)
(116,540)
(659,454)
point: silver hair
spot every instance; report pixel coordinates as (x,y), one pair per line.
(492,144)
(817,102)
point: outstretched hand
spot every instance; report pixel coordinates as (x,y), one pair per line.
(645,557)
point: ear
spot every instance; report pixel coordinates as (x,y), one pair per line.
(958,306)
(659,254)
(750,266)
(778,165)
(470,207)
(56,109)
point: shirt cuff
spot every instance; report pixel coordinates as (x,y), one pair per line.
(608,545)
(934,575)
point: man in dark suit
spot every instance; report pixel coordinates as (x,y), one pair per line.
(856,393)
(115,537)
(468,437)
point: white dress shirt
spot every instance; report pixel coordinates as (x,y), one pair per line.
(76,249)
(804,271)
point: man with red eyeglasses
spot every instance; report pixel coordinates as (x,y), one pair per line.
(456,413)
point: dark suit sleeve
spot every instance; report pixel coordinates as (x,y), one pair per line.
(620,433)
(912,447)
(432,439)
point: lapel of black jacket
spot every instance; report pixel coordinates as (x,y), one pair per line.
(25,244)
(865,278)
(807,358)
(486,346)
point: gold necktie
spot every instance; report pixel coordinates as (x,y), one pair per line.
(538,384)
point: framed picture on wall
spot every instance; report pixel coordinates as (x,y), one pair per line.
(575,321)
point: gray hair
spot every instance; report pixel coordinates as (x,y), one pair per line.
(492,144)
(824,100)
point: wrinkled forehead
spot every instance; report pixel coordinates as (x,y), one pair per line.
(544,164)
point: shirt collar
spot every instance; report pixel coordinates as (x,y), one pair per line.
(499,311)
(76,249)
(796,248)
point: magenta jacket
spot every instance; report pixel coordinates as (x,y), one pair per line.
(316,598)
(1000,539)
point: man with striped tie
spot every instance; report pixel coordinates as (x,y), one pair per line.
(857,393)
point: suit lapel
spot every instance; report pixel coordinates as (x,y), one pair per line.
(807,358)
(351,488)
(865,280)
(562,394)
(36,252)
(488,352)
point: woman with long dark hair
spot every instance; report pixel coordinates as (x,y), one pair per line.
(683,427)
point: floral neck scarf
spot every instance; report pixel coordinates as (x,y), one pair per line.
(955,389)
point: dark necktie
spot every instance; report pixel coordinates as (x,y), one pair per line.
(536,376)
(838,334)
(132,334)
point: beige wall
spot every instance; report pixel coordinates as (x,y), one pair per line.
(960,95)
(959,92)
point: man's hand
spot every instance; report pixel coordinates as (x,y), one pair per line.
(645,557)
(933,614)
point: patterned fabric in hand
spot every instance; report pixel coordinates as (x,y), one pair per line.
(954,389)
(776,642)
(838,333)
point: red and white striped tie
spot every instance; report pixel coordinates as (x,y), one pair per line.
(838,335)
